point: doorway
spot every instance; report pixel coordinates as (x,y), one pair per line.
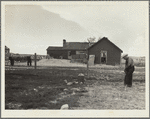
(103,57)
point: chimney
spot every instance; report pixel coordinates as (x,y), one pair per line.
(64,42)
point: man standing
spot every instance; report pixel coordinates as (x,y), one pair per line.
(11,60)
(29,61)
(129,69)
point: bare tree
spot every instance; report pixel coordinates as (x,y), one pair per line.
(91,39)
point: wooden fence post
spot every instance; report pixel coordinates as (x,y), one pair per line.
(35,61)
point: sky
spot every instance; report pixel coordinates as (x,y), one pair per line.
(31,28)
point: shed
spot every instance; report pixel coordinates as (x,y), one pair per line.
(7,50)
(105,52)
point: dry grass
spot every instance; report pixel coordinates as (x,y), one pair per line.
(44,89)
(108,95)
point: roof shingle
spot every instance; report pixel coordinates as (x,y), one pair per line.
(54,48)
(105,38)
(79,45)
(76,45)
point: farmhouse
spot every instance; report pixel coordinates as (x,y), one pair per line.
(104,50)
(68,49)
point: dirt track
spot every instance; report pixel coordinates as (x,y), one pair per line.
(53,62)
(66,63)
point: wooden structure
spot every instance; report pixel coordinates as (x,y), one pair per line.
(104,50)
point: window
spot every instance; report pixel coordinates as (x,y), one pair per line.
(103,58)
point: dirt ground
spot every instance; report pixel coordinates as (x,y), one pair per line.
(44,88)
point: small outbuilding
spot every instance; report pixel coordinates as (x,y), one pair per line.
(105,52)
(7,50)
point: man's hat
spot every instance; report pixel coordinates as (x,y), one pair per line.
(125,55)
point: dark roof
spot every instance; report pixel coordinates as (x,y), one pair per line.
(54,48)
(76,45)
(6,48)
(104,38)
(79,45)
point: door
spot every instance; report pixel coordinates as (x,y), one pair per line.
(69,54)
(103,57)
